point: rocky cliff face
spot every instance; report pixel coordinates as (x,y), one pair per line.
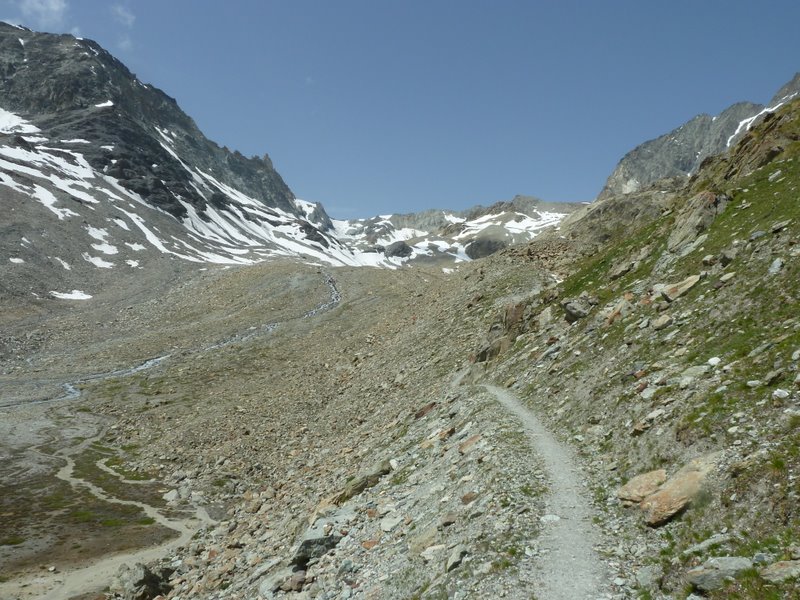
(71,88)
(680,152)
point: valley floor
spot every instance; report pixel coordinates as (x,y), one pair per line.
(264,418)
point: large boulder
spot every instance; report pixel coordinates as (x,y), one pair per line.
(484,247)
(716,571)
(674,496)
(399,249)
(139,582)
(642,486)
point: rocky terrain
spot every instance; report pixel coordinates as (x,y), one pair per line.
(680,152)
(608,410)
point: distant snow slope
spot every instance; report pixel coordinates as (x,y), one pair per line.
(111,224)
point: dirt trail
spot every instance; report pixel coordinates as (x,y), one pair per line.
(569,568)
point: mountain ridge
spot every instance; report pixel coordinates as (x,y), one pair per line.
(680,152)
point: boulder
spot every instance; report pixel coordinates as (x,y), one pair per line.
(140,583)
(363,481)
(674,496)
(455,558)
(642,486)
(662,322)
(321,537)
(399,249)
(484,247)
(673,291)
(781,571)
(716,571)
(696,217)
(576,309)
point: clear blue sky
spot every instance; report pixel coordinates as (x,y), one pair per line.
(377,106)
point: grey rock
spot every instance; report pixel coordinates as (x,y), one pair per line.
(775,267)
(321,537)
(649,577)
(389,522)
(715,540)
(662,322)
(576,309)
(139,582)
(483,247)
(455,557)
(398,249)
(273,583)
(781,571)
(715,571)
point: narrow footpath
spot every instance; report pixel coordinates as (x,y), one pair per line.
(569,567)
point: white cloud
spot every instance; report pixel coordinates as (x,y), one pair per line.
(125,42)
(44,14)
(123,15)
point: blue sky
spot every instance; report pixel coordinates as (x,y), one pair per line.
(377,106)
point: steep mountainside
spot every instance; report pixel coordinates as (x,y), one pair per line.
(291,433)
(105,178)
(681,151)
(72,89)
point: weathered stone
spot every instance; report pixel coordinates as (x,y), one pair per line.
(424,410)
(779,226)
(576,309)
(431,552)
(781,571)
(662,322)
(678,492)
(641,486)
(727,256)
(698,214)
(389,522)
(775,267)
(400,249)
(468,444)
(140,583)
(455,557)
(649,577)
(273,583)
(321,537)
(363,481)
(716,571)
(295,582)
(713,541)
(672,292)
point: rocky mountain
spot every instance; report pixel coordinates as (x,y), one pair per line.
(125,183)
(610,410)
(474,233)
(680,152)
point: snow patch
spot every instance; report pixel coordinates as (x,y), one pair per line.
(16,261)
(73,295)
(11,123)
(97,261)
(64,263)
(105,104)
(105,248)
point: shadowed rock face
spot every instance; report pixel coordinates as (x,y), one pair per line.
(57,83)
